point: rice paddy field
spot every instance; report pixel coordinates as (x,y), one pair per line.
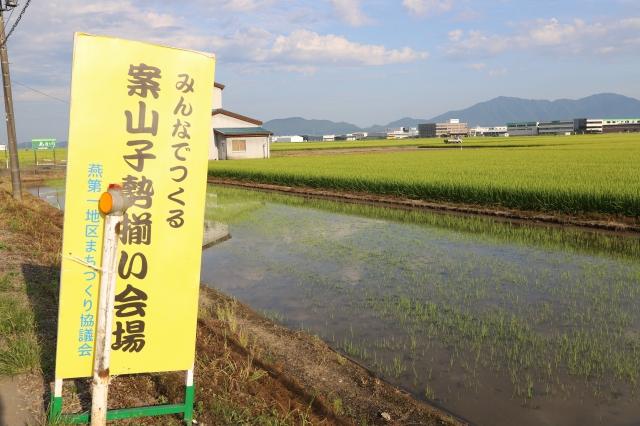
(501,323)
(27,159)
(279,147)
(574,175)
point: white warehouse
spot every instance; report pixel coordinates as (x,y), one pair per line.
(236,136)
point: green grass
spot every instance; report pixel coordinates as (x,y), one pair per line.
(581,174)
(26,157)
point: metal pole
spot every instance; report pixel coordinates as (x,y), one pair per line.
(8,108)
(113,205)
(102,355)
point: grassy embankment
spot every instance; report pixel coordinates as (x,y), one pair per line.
(229,386)
(573,175)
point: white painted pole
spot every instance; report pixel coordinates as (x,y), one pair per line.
(102,355)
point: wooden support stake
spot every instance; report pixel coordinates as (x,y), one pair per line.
(102,355)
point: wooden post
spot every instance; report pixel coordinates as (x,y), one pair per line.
(102,355)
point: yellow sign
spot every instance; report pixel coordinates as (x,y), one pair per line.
(140,117)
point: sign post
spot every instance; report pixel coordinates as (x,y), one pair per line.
(43,145)
(113,205)
(149,131)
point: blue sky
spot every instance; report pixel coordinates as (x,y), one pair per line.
(366,62)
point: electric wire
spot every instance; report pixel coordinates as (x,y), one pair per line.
(15,24)
(40,92)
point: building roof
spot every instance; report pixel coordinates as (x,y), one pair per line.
(243,131)
(236,115)
(219,85)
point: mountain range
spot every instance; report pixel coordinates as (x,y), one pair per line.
(495,112)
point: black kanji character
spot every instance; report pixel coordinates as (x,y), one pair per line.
(130,302)
(140,191)
(140,154)
(129,338)
(142,80)
(136,229)
(142,119)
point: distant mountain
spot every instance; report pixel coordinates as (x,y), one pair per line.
(503,109)
(495,112)
(403,122)
(302,126)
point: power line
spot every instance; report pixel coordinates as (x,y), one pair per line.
(9,18)
(17,21)
(41,92)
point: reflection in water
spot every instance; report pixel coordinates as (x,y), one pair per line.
(501,323)
(53,195)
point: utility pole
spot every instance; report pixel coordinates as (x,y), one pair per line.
(16,185)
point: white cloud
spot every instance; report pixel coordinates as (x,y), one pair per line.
(245,5)
(351,12)
(305,46)
(427,7)
(551,36)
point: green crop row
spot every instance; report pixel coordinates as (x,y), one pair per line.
(588,174)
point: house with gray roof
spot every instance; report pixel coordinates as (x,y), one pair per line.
(236,136)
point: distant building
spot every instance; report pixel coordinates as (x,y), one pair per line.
(557,127)
(398,133)
(288,139)
(451,128)
(328,138)
(360,135)
(427,130)
(489,131)
(376,135)
(312,138)
(592,125)
(524,128)
(236,136)
(617,125)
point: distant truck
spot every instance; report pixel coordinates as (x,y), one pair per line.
(457,139)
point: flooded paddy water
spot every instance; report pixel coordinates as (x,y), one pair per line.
(500,323)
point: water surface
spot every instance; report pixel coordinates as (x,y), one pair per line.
(500,323)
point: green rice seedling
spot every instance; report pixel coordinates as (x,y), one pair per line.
(586,174)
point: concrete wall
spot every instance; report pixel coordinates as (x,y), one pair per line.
(217,98)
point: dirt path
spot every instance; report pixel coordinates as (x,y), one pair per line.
(611,224)
(306,365)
